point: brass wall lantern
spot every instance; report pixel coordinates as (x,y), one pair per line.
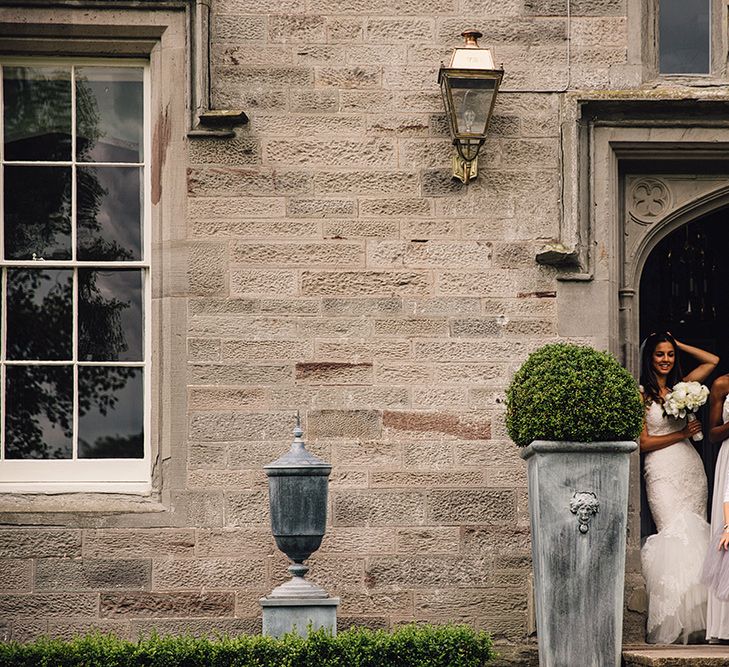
(469,85)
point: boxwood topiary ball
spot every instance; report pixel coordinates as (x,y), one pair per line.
(573,393)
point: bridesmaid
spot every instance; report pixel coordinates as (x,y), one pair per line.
(717,614)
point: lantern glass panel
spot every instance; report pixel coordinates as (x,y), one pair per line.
(472,99)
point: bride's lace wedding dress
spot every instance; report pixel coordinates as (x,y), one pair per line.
(673,558)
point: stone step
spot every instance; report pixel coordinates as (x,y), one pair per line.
(676,656)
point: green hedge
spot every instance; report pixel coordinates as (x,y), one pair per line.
(574,393)
(409,646)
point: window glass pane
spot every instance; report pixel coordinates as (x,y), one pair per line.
(37,212)
(39,314)
(109,213)
(684,28)
(111,412)
(110,315)
(37,113)
(38,412)
(109,113)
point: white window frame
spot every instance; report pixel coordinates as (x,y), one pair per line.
(118,475)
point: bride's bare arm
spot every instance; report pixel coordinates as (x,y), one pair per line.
(650,443)
(718,431)
(707,362)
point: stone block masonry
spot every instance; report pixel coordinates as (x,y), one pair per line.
(329,264)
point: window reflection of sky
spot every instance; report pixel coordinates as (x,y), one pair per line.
(685,36)
(111,285)
(117,96)
(39,317)
(37,212)
(37,113)
(106,430)
(109,213)
(35,397)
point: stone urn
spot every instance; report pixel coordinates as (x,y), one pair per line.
(298,489)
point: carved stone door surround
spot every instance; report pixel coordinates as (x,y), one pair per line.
(631,175)
(629,182)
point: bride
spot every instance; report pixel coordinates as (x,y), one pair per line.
(676,487)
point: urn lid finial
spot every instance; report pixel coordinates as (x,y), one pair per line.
(298,456)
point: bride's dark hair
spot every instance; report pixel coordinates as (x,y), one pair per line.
(648,378)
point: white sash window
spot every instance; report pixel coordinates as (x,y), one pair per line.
(74,251)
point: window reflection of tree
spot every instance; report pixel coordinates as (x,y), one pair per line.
(40,394)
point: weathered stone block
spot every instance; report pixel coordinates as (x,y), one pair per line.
(335,328)
(237,151)
(399,30)
(237,28)
(88,574)
(334,372)
(422,480)
(235,542)
(241,425)
(206,268)
(374,7)
(400,207)
(432,455)
(306,125)
(206,455)
(343,229)
(369,453)
(378,508)
(412,327)
(247,508)
(296,28)
(477,327)
(342,153)
(363,424)
(428,540)
(198,627)
(425,572)
(467,426)
(241,182)
(366,182)
(48,605)
(407,374)
(321,208)
(240,373)
(235,207)
(261,281)
(602,32)
(199,508)
(348,77)
(70,629)
(123,543)
(166,605)
(39,543)
(214,479)
(433,397)
(358,540)
(361,307)
(479,506)
(209,573)
(353,283)
(297,254)
(16,574)
(237,350)
(270,76)
(203,349)
(308,101)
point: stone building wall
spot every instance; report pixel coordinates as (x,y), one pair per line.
(334,267)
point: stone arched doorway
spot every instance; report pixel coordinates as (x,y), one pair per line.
(676,215)
(683,289)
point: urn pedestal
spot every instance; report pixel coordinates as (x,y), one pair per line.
(578,504)
(298,489)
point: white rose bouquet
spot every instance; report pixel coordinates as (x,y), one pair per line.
(684,400)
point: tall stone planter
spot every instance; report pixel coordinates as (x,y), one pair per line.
(578,502)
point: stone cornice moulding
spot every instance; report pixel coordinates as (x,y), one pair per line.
(654,109)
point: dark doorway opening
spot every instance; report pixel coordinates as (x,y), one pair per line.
(684,289)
